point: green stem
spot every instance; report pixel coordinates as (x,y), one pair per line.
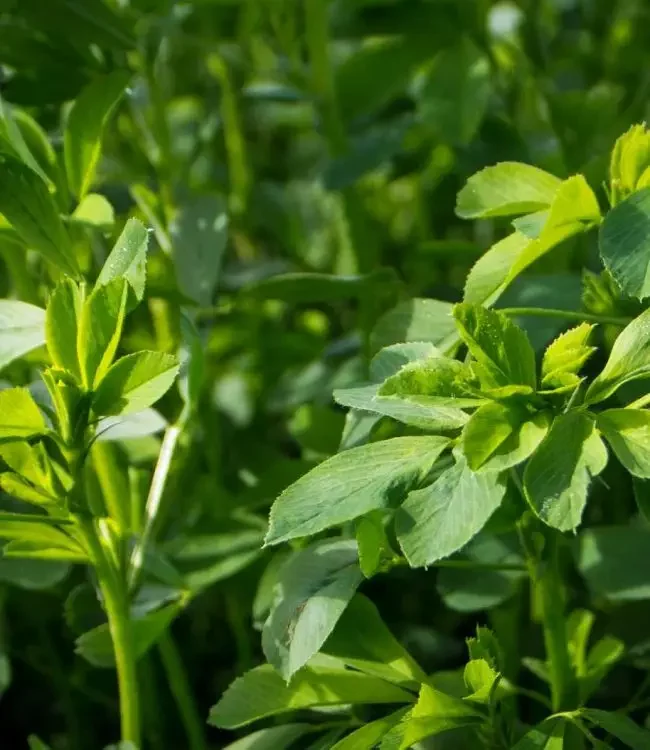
(180,688)
(111,481)
(546,580)
(115,600)
(542,312)
(154,500)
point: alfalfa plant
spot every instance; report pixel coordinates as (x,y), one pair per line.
(485,434)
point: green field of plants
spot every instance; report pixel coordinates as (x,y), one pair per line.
(324,374)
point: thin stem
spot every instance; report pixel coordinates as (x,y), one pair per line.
(546,580)
(535,696)
(154,499)
(111,481)
(115,601)
(180,688)
(543,312)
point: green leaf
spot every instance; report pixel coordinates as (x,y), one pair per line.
(565,356)
(199,234)
(61,325)
(367,736)
(629,161)
(135,382)
(433,382)
(20,418)
(128,259)
(558,475)
(473,588)
(435,713)
(314,589)
(501,349)
(362,641)
(16,141)
(505,189)
(629,360)
(619,725)
(486,280)
(372,543)
(410,411)
(96,645)
(22,328)
(390,360)
(274,738)
(27,205)
(33,550)
(549,735)
(416,320)
(574,210)
(628,433)
(613,561)
(454,94)
(438,520)
(625,246)
(351,484)
(94,211)
(498,436)
(83,131)
(262,692)
(36,744)
(480,679)
(100,329)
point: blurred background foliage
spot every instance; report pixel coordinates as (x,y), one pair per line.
(298,161)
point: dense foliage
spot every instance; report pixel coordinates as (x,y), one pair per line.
(325,355)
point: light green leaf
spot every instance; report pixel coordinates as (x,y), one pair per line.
(22,328)
(83,131)
(498,436)
(61,325)
(128,258)
(351,484)
(94,211)
(549,735)
(100,329)
(558,475)
(135,382)
(33,550)
(362,641)
(480,677)
(313,590)
(30,209)
(505,189)
(416,320)
(613,560)
(455,91)
(436,712)
(262,692)
(438,520)
(628,433)
(629,161)
(629,360)
(410,411)
(273,738)
(433,382)
(501,349)
(619,725)
(565,356)
(391,359)
(96,646)
(19,415)
(199,234)
(486,280)
(625,245)
(372,543)
(574,210)
(367,736)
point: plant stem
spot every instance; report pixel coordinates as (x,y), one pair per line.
(180,688)
(546,581)
(154,499)
(114,595)
(542,312)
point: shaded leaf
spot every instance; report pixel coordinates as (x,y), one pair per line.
(22,328)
